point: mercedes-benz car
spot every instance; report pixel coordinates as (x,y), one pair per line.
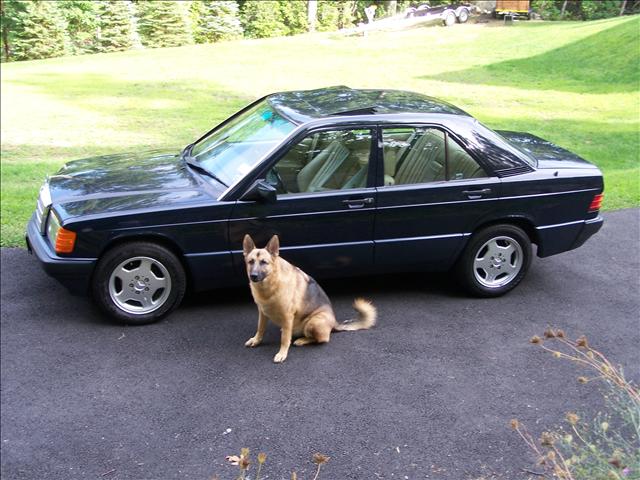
(353,181)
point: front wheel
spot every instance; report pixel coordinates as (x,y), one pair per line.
(139,282)
(449,19)
(495,261)
(464,16)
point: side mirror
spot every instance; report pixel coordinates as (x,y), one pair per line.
(261,191)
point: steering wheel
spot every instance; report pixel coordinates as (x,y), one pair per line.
(273,178)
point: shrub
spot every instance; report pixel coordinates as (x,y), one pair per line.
(606,447)
(243,462)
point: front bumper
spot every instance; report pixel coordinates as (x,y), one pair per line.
(73,273)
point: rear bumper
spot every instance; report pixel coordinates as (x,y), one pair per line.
(554,239)
(73,273)
(590,228)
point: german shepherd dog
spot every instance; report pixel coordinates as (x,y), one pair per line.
(293,300)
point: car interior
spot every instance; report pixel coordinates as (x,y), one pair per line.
(339,160)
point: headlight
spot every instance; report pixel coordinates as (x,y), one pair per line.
(62,240)
(53,227)
(43,206)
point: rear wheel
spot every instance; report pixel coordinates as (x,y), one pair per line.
(139,282)
(464,15)
(495,261)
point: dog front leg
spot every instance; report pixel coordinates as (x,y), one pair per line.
(257,338)
(285,341)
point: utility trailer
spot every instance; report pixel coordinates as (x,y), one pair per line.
(512,8)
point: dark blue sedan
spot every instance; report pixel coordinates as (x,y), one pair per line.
(353,181)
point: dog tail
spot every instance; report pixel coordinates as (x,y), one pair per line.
(367,315)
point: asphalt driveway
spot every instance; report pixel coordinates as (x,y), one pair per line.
(427,394)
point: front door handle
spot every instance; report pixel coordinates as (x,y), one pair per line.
(358,202)
(475,194)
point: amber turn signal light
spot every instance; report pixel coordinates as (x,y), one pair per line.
(65,241)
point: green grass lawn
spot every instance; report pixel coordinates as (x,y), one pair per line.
(574,83)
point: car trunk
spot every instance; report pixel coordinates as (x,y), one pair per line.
(547,154)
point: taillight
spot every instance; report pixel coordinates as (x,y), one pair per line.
(596,203)
(65,241)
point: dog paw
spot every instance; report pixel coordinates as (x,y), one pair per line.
(280,357)
(252,342)
(301,341)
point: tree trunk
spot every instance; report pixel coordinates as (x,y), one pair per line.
(564,7)
(5,35)
(312,14)
(624,5)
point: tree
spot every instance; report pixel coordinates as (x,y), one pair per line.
(82,23)
(163,24)
(217,20)
(294,16)
(262,18)
(335,15)
(39,32)
(114,26)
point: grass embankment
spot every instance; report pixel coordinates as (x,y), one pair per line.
(575,84)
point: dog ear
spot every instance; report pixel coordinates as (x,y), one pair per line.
(247,244)
(273,247)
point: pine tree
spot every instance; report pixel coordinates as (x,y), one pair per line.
(114,21)
(163,24)
(217,20)
(82,22)
(39,32)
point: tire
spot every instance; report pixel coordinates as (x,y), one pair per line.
(464,16)
(138,282)
(496,259)
(449,19)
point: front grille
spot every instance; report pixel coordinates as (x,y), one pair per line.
(42,208)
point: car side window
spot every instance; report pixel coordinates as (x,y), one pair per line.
(330,160)
(460,164)
(424,155)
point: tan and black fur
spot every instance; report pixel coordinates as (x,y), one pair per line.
(293,300)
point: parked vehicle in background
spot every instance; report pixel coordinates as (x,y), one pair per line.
(448,14)
(353,181)
(513,8)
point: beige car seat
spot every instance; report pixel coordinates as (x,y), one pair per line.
(324,169)
(424,162)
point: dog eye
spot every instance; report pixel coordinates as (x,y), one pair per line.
(251,262)
(263,262)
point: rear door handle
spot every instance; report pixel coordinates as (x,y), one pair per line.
(474,194)
(358,202)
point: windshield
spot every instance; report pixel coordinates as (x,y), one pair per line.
(232,150)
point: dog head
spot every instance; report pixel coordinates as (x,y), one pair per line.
(260,262)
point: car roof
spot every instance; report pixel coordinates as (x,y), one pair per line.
(303,106)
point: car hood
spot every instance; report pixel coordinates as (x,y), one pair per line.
(548,155)
(113,183)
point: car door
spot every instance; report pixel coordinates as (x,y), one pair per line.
(325,206)
(432,192)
